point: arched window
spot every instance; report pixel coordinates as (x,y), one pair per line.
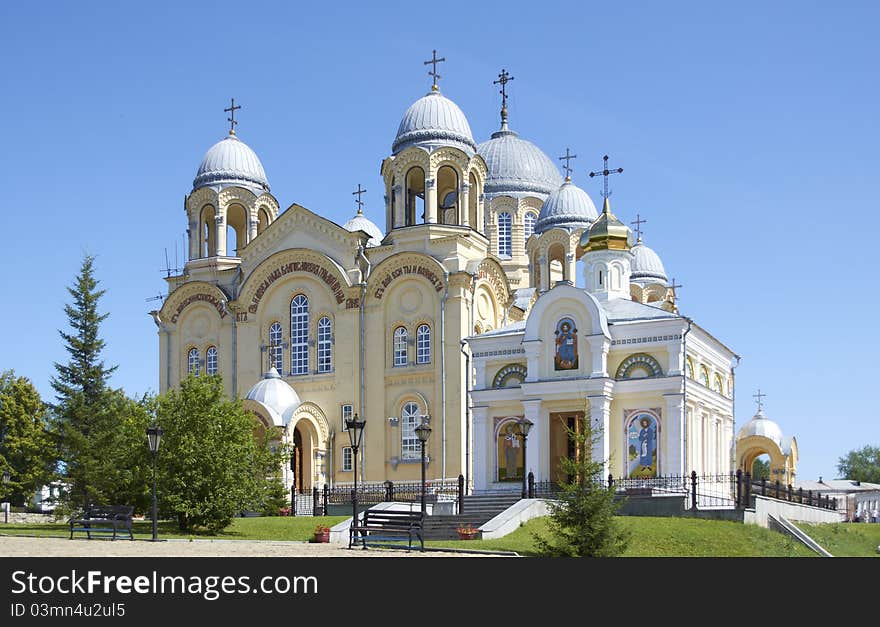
(415,196)
(263,220)
(276,350)
(473,197)
(299,335)
(236,230)
(400,337)
(423,344)
(211,360)
(690,368)
(410,418)
(505,245)
(704,376)
(325,351)
(207,243)
(193,365)
(447,194)
(529,225)
(719,386)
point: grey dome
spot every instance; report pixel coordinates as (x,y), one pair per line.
(569,206)
(273,393)
(360,222)
(231,162)
(434,120)
(518,167)
(760,425)
(646,265)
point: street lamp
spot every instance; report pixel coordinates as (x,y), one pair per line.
(525,425)
(355,430)
(154,438)
(424,432)
(6,478)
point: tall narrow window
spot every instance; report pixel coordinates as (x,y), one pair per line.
(505,246)
(410,418)
(211,360)
(192,363)
(325,349)
(347,412)
(400,337)
(347,459)
(276,351)
(423,344)
(529,226)
(299,335)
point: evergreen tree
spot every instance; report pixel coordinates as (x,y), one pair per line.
(86,411)
(582,518)
(28,449)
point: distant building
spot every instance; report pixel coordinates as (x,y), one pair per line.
(853,497)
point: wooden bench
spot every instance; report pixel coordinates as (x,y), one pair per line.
(104,519)
(389,528)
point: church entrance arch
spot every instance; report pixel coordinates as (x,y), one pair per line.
(308,436)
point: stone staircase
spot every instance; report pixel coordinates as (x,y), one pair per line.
(478,509)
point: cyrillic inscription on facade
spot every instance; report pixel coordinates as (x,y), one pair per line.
(298,266)
(409,269)
(208,298)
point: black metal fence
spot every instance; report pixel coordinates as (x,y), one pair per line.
(777,490)
(316,502)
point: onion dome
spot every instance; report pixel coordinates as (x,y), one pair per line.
(360,222)
(231,162)
(606,233)
(517,167)
(273,393)
(646,265)
(432,121)
(762,426)
(569,207)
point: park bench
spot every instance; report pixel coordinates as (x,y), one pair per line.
(388,528)
(104,519)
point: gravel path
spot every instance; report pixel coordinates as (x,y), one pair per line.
(62,547)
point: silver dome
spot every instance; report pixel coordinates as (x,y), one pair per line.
(360,222)
(273,393)
(646,265)
(569,206)
(434,120)
(231,162)
(517,167)
(760,425)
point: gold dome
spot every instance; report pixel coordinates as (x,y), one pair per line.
(606,233)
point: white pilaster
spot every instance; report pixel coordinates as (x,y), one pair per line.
(464,204)
(219,236)
(537,439)
(533,361)
(600,415)
(599,347)
(482,450)
(672,462)
(480,372)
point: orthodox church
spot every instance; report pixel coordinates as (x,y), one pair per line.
(462,311)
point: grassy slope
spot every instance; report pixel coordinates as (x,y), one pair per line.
(846,539)
(667,537)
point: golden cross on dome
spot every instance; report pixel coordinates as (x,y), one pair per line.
(433,73)
(232,121)
(605,172)
(567,167)
(360,192)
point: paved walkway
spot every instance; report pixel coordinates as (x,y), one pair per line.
(61,547)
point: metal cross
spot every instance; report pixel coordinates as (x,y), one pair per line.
(434,61)
(567,167)
(760,399)
(605,172)
(359,193)
(503,79)
(231,110)
(673,287)
(639,222)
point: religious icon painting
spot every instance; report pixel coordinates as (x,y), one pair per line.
(642,444)
(566,357)
(510,459)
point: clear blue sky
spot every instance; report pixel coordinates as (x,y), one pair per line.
(748,132)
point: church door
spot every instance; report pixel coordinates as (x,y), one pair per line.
(297,461)
(561,445)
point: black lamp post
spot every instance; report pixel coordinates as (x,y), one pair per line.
(525,425)
(355,428)
(424,432)
(154,438)
(6,478)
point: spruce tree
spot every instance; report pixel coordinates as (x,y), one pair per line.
(85,408)
(582,520)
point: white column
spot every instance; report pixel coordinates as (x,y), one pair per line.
(219,236)
(537,439)
(464,205)
(430,201)
(480,374)
(482,452)
(600,415)
(399,214)
(252,230)
(194,237)
(672,462)
(533,354)
(599,347)
(545,273)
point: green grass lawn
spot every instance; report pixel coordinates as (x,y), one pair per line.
(263,528)
(846,539)
(665,537)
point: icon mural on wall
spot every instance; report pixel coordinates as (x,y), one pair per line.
(510,461)
(641,438)
(566,345)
